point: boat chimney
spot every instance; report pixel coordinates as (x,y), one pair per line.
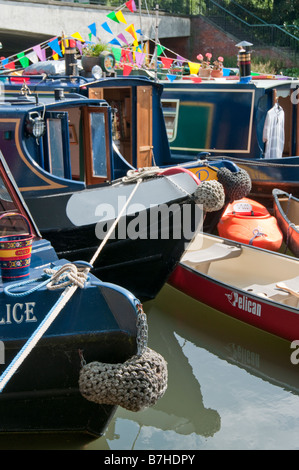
(70,57)
(244,61)
(59,94)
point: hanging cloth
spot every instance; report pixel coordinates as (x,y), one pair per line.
(273,133)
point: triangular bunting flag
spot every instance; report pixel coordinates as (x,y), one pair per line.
(131,30)
(9,65)
(160,49)
(139,58)
(115,42)
(41,53)
(180,59)
(194,68)
(112,16)
(24,61)
(127,69)
(120,17)
(78,36)
(116,51)
(32,57)
(122,38)
(166,61)
(106,27)
(93,29)
(79,46)
(171,77)
(54,44)
(131,5)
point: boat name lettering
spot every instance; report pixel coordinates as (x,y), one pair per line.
(244,303)
(18,313)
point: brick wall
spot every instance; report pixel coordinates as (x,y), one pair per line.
(205,37)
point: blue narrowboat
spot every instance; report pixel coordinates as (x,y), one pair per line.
(50,326)
(97,138)
(227,118)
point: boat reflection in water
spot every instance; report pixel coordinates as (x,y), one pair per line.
(220,370)
(205,348)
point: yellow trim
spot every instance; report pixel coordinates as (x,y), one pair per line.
(51,184)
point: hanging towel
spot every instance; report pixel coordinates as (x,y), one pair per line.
(273,133)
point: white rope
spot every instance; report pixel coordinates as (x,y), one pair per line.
(56,309)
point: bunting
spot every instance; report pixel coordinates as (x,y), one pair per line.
(131,30)
(120,17)
(131,55)
(23,60)
(131,5)
(54,45)
(112,16)
(106,27)
(93,29)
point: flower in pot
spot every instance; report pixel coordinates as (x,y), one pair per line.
(218,67)
(97,54)
(205,69)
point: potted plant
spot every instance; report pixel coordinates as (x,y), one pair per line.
(208,69)
(205,69)
(217,71)
(97,54)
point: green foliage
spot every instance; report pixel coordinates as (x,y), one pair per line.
(94,50)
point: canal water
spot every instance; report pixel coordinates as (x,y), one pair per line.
(230,386)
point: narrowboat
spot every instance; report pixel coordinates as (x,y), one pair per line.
(95,172)
(227,118)
(53,320)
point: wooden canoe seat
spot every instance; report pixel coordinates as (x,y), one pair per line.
(216,252)
(276,290)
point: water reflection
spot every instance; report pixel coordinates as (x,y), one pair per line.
(230,386)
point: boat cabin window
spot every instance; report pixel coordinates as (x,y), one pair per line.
(170,111)
(56,157)
(76,144)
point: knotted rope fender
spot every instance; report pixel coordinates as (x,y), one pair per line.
(135,384)
(236,184)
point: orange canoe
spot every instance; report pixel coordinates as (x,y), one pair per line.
(249,222)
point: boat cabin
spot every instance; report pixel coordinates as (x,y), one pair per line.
(226,117)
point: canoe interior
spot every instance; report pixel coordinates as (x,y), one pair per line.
(248,267)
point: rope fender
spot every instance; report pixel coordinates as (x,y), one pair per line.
(136,384)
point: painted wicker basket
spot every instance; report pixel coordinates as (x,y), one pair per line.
(15,251)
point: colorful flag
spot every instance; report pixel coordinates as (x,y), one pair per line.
(127,69)
(41,53)
(122,38)
(131,30)
(112,16)
(120,17)
(131,5)
(93,29)
(171,77)
(106,27)
(160,49)
(116,51)
(139,58)
(24,61)
(54,44)
(78,36)
(194,68)
(166,61)
(32,57)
